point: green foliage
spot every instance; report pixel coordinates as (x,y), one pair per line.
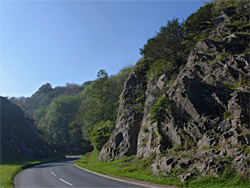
(130,167)
(144,142)
(99,104)
(39,113)
(167,44)
(188,142)
(237,181)
(153,141)
(16,127)
(238,23)
(219,5)
(46,88)
(160,67)
(197,27)
(177,148)
(44,96)
(140,65)
(247,150)
(242,82)
(135,98)
(139,94)
(199,21)
(11,164)
(60,114)
(163,105)
(102,74)
(101,134)
(227,115)
(210,147)
(77,143)
(137,168)
(99,101)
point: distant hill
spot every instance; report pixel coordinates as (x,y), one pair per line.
(18,133)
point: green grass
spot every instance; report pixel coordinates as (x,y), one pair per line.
(138,168)
(241,83)
(210,147)
(129,167)
(11,164)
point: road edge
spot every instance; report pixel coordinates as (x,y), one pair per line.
(127,180)
(30,165)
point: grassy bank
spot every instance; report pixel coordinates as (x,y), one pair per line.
(131,167)
(11,164)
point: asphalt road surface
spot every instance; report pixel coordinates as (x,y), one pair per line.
(62,174)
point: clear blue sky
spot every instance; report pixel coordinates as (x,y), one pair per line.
(70,41)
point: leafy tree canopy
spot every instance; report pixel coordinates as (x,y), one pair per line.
(167,43)
(101,133)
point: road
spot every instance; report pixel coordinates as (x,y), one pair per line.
(62,174)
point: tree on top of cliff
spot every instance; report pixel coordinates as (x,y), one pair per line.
(167,43)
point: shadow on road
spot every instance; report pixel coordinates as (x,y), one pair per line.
(68,159)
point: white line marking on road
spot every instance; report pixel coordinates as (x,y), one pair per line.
(65,182)
(53,173)
(50,169)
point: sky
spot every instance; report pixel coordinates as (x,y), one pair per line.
(70,41)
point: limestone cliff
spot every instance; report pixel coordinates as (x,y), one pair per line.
(200,120)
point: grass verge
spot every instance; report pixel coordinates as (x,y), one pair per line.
(139,169)
(11,164)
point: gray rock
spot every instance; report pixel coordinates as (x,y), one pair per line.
(185,177)
(220,20)
(209,115)
(210,46)
(123,141)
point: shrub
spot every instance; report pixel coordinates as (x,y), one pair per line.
(166,44)
(101,134)
(160,67)
(162,105)
(227,115)
(199,21)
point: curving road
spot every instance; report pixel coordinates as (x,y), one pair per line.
(62,174)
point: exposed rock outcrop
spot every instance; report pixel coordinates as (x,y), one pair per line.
(123,141)
(206,126)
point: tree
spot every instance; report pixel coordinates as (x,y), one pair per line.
(99,100)
(102,74)
(167,44)
(45,88)
(60,113)
(199,21)
(101,133)
(39,113)
(77,143)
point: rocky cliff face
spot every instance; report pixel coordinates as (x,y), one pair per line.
(201,121)
(123,141)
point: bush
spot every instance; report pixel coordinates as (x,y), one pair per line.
(166,44)
(160,107)
(199,21)
(101,134)
(227,115)
(160,67)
